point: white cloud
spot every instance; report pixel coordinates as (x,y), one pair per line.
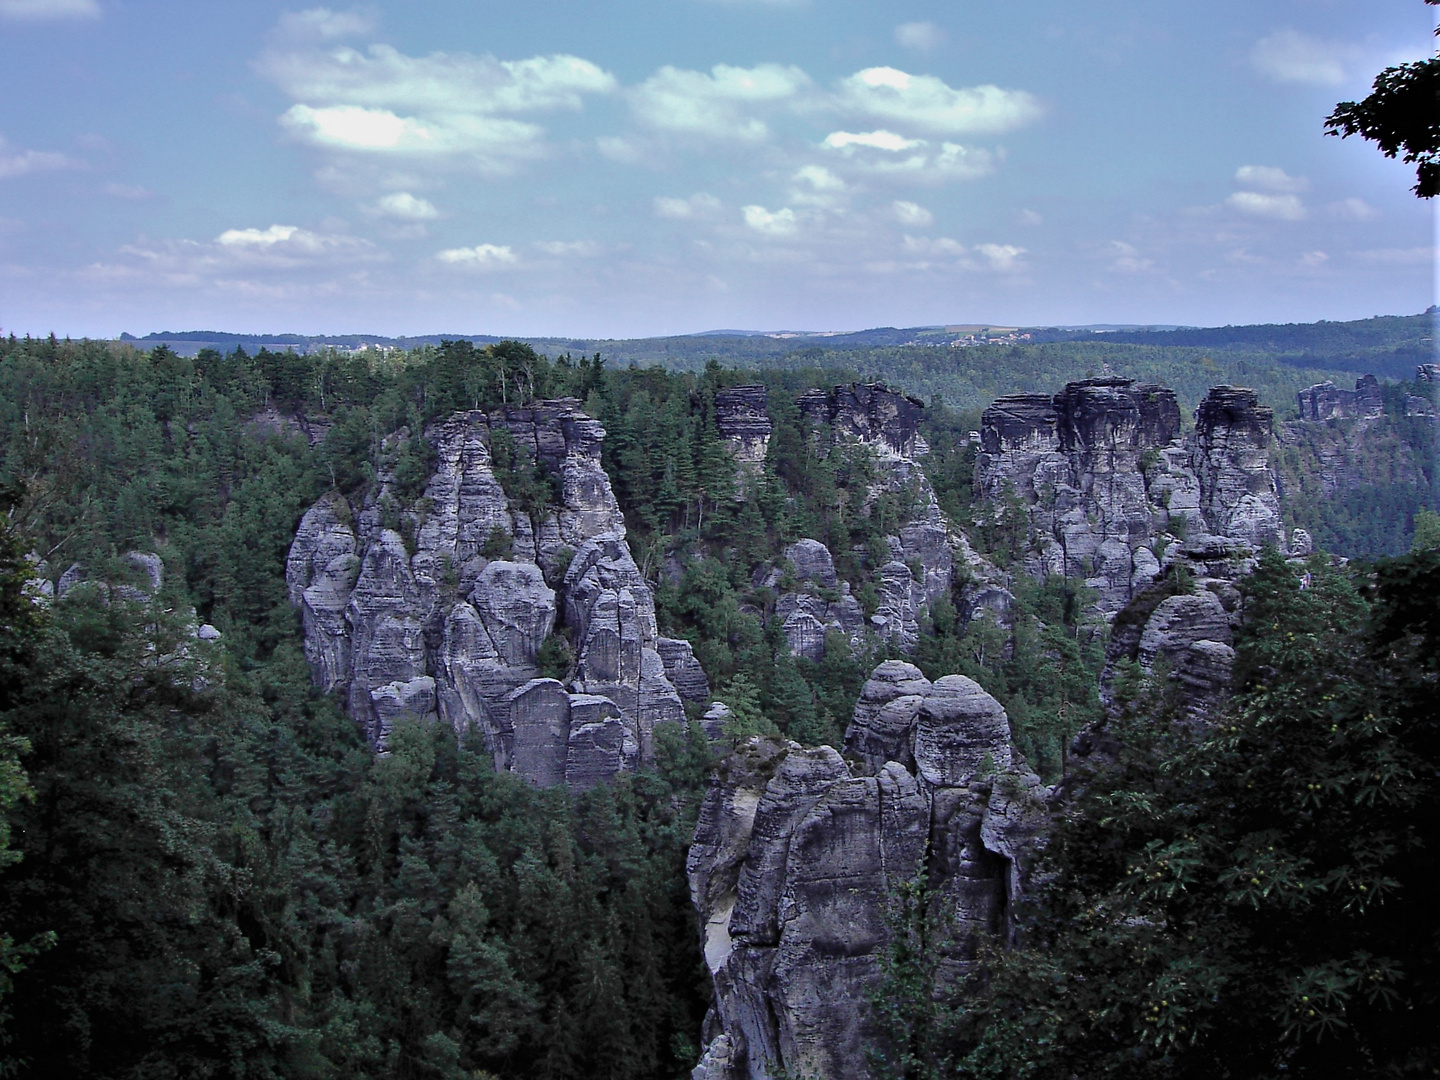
(875,140)
(224,262)
(574,249)
(925,103)
(718,105)
(479,257)
(1314,259)
(1030,217)
(290,245)
(913,214)
(1352,210)
(1002,257)
(817,186)
(1259,204)
(698,205)
(1289,56)
(383,102)
(17,162)
(263,238)
(440,83)
(779,223)
(496,143)
(920,36)
(819,178)
(1269,178)
(322,24)
(885,154)
(406,207)
(36,10)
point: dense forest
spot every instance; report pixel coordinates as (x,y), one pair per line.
(206,870)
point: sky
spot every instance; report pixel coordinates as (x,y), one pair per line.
(624,168)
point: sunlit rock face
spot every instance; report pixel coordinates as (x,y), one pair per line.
(1112,491)
(800,854)
(437,607)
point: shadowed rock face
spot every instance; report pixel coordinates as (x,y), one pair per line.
(743,423)
(406,614)
(799,855)
(869,412)
(1325,401)
(1112,489)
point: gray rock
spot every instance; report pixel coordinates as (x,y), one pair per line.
(1238,496)
(743,423)
(960,731)
(602,744)
(1324,401)
(540,731)
(1189,637)
(682,669)
(1103,476)
(1302,545)
(885,715)
(714,720)
(797,864)
(440,629)
(517,609)
(813,563)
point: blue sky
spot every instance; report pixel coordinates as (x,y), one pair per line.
(669,166)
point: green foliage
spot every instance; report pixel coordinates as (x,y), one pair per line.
(1427,531)
(1399,115)
(1044,669)
(554,658)
(1253,899)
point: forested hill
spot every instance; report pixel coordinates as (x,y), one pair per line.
(926,359)
(1388,345)
(208,873)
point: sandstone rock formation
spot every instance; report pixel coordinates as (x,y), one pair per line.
(922,553)
(437,608)
(742,421)
(1324,401)
(1110,490)
(799,856)
(1188,636)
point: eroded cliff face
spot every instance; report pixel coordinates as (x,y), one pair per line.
(923,552)
(799,856)
(743,422)
(1113,494)
(438,608)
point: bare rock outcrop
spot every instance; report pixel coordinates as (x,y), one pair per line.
(744,424)
(1325,401)
(800,855)
(436,606)
(1110,490)
(1232,459)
